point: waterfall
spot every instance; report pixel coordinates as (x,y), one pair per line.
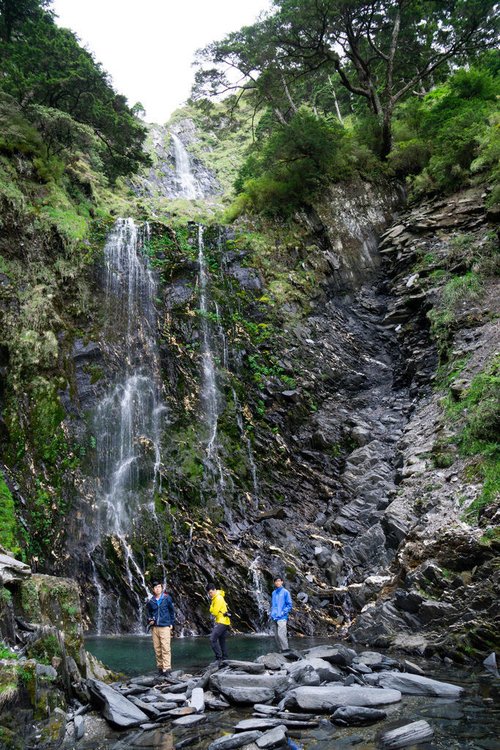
(128,419)
(187,185)
(209,391)
(261,599)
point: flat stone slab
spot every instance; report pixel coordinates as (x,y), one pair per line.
(414,684)
(222,680)
(263,708)
(183,711)
(353,716)
(173,697)
(327,698)
(117,709)
(410,734)
(189,721)
(233,741)
(197,700)
(261,724)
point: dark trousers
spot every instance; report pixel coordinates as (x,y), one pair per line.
(218,641)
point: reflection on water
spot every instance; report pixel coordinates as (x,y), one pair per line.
(471,723)
(133,654)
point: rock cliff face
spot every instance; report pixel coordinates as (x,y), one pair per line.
(304,369)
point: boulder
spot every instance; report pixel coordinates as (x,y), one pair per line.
(414,684)
(274,738)
(327,672)
(352,716)
(117,709)
(12,570)
(326,698)
(337,654)
(410,734)
(303,673)
(272,661)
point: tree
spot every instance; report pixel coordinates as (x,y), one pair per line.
(13,14)
(44,66)
(379,50)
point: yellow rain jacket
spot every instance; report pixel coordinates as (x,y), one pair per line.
(218,608)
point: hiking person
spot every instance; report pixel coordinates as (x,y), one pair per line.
(281,606)
(161,619)
(219,611)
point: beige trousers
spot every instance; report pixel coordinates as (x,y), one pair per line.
(161,645)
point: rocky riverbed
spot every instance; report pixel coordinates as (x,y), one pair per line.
(303,699)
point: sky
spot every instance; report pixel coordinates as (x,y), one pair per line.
(148,47)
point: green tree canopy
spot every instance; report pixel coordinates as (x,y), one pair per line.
(44,66)
(378,50)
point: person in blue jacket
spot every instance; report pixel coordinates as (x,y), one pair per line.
(161,619)
(281,606)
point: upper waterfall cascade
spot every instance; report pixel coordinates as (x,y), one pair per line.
(187,184)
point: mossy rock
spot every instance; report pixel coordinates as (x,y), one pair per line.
(48,600)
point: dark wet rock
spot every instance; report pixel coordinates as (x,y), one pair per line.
(324,699)
(115,707)
(234,741)
(352,716)
(276,737)
(247,696)
(246,666)
(410,734)
(413,684)
(189,721)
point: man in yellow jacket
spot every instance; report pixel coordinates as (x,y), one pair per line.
(219,611)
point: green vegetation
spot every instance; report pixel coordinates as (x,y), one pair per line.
(477,413)
(294,162)
(8,524)
(450,136)
(65,96)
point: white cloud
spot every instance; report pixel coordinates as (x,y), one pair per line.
(148,47)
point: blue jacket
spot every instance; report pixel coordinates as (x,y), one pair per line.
(281,604)
(161,610)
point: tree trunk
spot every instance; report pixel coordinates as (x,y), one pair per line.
(386,144)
